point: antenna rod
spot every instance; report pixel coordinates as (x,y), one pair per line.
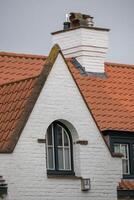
(67,17)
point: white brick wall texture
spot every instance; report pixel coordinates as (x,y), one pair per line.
(88,46)
(25,169)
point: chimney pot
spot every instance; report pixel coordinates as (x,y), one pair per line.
(66,25)
(79,19)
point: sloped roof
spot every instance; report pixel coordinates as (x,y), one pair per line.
(16,67)
(18,75)
(109,97)
(126,185)
(13,99)
(126,189)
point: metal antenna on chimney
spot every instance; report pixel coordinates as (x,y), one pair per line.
(66,24)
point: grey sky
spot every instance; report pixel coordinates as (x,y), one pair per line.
(25,25)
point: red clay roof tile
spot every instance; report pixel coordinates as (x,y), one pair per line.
(12,104)
(126,185)
(110,98)
(15,67)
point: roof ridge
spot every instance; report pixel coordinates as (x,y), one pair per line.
(119,65)
(11,54)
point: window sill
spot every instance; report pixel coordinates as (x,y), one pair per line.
(63,177)
(128,176)
(61,174)
(128,194)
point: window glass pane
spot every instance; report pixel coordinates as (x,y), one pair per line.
(125,166)
(59,135)
(133,151)
(66,142)
(116,148)
(127,151)
(124,150)
(50,158)
(132,160)
(49,135)
(60,158)
(67,158)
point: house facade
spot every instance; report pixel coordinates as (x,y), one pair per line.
(67,119)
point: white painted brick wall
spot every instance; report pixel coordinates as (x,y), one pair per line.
(89,46)
(25,169)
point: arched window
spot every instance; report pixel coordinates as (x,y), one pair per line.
(59,149)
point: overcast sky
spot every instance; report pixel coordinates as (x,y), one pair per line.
(25,25)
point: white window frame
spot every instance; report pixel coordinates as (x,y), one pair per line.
(123,158)
(55,146)
(52,146)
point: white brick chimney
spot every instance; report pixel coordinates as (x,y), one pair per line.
(80,39)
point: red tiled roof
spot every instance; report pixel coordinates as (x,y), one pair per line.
(110,98)
(13,98)
(126,185)
(18,75)
(16,67)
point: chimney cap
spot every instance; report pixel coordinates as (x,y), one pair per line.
(74,28)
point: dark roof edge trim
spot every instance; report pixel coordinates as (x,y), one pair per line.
(117,132)
(125,193)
